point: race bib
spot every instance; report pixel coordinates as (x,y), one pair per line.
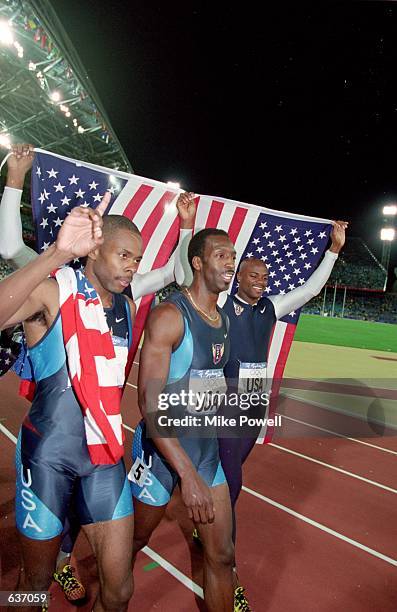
(253,378)
(207,390)
(139,471)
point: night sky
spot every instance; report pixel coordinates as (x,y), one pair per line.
(293,106)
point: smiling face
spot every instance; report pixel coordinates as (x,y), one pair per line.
(116,261)
(218,262)
(252,277)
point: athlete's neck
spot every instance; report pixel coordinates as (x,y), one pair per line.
(245,298)
(105,295)
(203,297)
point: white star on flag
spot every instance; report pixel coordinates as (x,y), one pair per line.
(51,173)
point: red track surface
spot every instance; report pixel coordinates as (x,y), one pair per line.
(285,563)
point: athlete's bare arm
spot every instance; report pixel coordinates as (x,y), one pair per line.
(24,293)
(164,330)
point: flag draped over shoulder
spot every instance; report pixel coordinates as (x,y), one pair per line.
(291,245)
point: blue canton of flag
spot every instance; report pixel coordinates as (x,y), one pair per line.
(291,249)
(58,185)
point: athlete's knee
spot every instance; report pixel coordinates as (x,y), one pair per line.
(116,596)
(220,554)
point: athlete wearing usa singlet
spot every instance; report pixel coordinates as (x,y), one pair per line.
(251,325)
(199,359)
(52,461)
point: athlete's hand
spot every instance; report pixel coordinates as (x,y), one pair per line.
(81,231)
(338,235)
(19,163)
(186,206)
(196,496)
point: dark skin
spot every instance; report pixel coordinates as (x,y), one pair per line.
(208,507)
(27,292)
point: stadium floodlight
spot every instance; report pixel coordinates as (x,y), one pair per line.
(80,129)
(6,35)
(5,141)
(174,185)
(390,210)
(32,66)
(387,234)
(55,96)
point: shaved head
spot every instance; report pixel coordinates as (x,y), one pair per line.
(251,261)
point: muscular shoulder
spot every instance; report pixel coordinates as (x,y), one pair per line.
(165,324)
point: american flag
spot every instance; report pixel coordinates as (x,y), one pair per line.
(60,183)
(291,245)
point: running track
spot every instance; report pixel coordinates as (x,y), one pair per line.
(317,525)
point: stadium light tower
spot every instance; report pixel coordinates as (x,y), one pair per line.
(388,233)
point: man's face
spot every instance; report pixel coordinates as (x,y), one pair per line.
(252,278)
(117,260)
(218,263)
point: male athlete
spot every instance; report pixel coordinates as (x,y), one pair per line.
(252,318)
(53,461)
(185,349)
(13,249)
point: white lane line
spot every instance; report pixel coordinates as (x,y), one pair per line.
(335,433)
(342,411)
(171,569)
(297,515)
(7,433)
(309,521)
(131,385)
(185,580)
(333,467)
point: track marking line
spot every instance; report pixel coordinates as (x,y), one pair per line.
(325,406)
(322,527)
(7,433)
(171,569)
(333,467)
(335,433)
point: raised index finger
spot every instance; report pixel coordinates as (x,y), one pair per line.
(101,208)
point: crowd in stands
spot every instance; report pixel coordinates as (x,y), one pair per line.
(381,307)
(358,268)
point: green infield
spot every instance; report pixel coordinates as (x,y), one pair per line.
(347,332)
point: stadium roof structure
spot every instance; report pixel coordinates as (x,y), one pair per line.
(46,97)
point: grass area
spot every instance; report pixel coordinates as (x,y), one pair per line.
(347,332)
